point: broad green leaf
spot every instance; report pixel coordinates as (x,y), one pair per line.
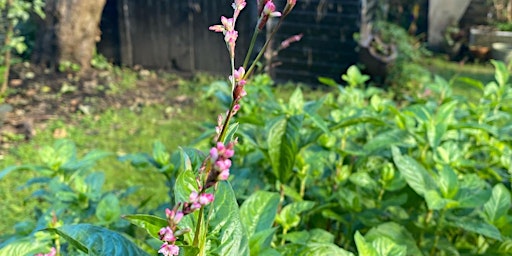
(25,246)
(87,162)
(476,226)
(498,205)
(327,81)
(258,211)
(473,192)
(230,134)
(283,145)
(13,168)
(445,111)
(472,82)
(296,102)
(414,174)
(357,120)
(363,180)
(152,224)
(363,247)
(108,209)
(290,214)
(387,139)
(226,233)
(95,240)
(501,73)
(189,251)
(434,200)
(260,241)
(448,182)
(185,184)
(397,233)
(324,249)
(388,247)
(160,154)
(435,133)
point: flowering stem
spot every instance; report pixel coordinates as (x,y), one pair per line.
(198,227)
(251,46)
(263,50)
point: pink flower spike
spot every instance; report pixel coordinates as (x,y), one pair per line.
(169,249)
(177,218)
(229,24)
(239,5)
(214,154)
(167,235)
(217,28)
(236,107)
(239,74)
(270,10)
(224,175)
(193,196)
(205,199)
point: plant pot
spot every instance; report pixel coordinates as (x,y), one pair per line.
(501,52)
(480,52)
(376,64)
(486,36)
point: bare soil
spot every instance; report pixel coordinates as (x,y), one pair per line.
(37,97)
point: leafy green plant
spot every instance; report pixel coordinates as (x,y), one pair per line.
(14,12)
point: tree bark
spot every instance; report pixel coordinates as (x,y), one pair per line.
(69,33)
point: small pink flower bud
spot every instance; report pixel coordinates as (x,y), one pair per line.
(214,154)
(169,249)
(167,235)
(205,199)
(289,6)
(224,175)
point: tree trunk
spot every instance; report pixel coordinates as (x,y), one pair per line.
(69,33)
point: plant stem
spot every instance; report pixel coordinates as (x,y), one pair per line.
(263,50)
(438,232)
(251,46)
(198,227)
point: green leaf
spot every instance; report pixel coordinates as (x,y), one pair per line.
(185,184)
(289,215)
(98,241)
(475,225)
(296,102)
(25,246)
(108,209)
(448,182)
(363,247)
(501,73)
(230,135)
(498,205)
(473,192)
(357,120)
(226,233)
(152,224)
(160,154)
(397,233)
(387,139)
(258,211)
(324,249)
(414,174)
(261,241)
(435,133)
(327,81)
(283,145)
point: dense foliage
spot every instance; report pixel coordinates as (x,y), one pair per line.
(350,172)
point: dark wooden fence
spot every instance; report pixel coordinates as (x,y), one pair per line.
(173,34)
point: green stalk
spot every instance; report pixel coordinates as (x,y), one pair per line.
(198,227)
(263,50)
(438,232)
(251,46)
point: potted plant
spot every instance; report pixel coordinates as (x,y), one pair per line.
(497,34)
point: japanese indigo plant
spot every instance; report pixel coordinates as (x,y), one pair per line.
(216,165)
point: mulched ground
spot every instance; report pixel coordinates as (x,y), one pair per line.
(38,97)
